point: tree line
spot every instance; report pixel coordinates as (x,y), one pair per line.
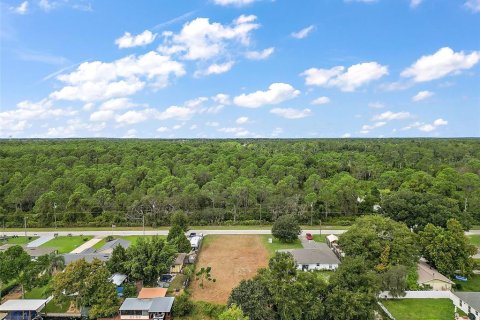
(102,182)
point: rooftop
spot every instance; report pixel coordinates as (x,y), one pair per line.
(471,298)
(180,258)
(150,293)
(23,305)
(32,252)
(72,257)
(426,273)
(118,278)
(112,244)
(323,254)
(163,304)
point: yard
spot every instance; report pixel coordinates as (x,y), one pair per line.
(277,245)
(18,240)
(232,259)
(39,293)
(421,309)
(472,284)
(132,240)
(475,239)
(66,244)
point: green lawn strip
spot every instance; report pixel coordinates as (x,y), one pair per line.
(18,240)
(222,227)
(36,293)
(277,245)
(177,283)
(52,307)
(421,309)
(475,239)
(66,244)
(319,237)
(472,284)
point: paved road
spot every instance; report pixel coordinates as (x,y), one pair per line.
(38,242)
(105,233)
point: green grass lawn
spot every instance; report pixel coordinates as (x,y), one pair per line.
(19,240)
(473,284)
(475,239)
(57,308)
(36,293)
(420,309)
(319,237)
(66,244)
(277,245)
(39,293)
(132,240)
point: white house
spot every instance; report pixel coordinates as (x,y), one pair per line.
(428,275)
(147,309)
(468,302)
(320,258)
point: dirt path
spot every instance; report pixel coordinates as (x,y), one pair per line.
(232,258)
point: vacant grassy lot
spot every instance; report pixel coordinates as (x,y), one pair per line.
(277,245)
(66,244)
(18,240)
(473,284)
(232,259)
(420,309)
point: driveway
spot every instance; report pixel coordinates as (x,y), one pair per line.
(87,245)
(38,242)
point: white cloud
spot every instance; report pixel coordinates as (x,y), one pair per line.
(201,40)
(440,64)
(102,115)
(276,132)
(98,80)
(321,100)
(260,55)
(128,40)
(216,69)
(175,112)
(290,113)
(237,3)
(133,117)
(376,105)
(238,131)
(222,98)
(422,95)
(346,79)
(276,93)
(366,128)
(303,33)
(132,133)
(212,124)
(193,127)
(389,116)
(242,120)
(473,5)
(117,104)
(426,127)
(71,128)
(177,126)
(194,103)
(415,3)
(163,129)
(22,8)
(46,5)
(346,135)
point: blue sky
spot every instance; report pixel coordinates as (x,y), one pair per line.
(240,68)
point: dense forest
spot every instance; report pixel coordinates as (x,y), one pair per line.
(103,182)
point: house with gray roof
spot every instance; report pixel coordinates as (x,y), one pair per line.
(468,302)
(110,245)
(23,309)
(145,309)
(33,252)
(102,254)
(319,258)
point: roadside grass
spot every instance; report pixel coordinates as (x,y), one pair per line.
(18,240)
(472,284)
(277,245)
(319,237)
(421,309)
(66,244)
(475,239)
(222,227)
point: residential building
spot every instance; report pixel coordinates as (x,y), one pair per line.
(151,293)
(23,309)
(430,276)
(320,258)
(33,252)
(147,309)
(177,265)
(468,302)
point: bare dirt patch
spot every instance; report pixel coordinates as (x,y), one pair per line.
(232,258)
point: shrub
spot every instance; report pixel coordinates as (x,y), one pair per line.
(286,228)
(182,306)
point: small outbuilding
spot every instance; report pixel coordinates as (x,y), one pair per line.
(177,265)
(320,258)
(430,276)
(23,309)
(468,302)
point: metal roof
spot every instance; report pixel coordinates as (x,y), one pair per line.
(112,244)
(323,255)
(72,257)
(118,278)
(471,298)
(151,305)
(23,305)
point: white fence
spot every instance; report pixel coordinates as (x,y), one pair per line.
(419,295)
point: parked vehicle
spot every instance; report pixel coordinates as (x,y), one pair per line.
(309,236)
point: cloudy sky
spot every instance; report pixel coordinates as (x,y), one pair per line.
(240,68)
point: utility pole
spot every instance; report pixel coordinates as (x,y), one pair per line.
(25,224)
(54,214)
(143,222)
(320,226)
